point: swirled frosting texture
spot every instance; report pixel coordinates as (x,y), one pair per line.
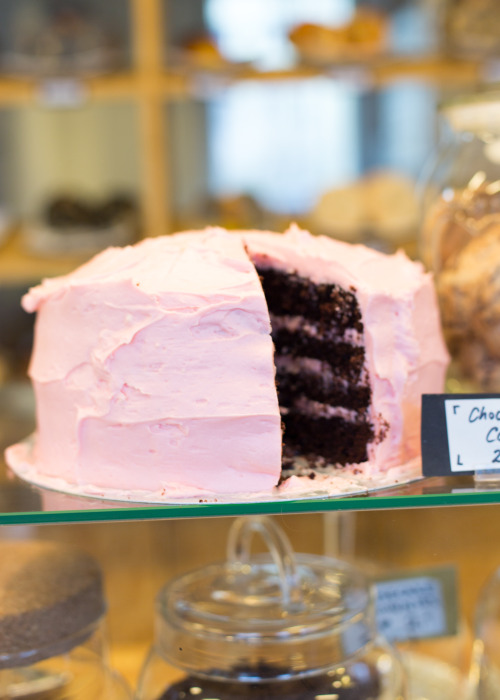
(153,370)
(153,365)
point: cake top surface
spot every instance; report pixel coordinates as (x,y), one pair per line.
(194,264)
(325,259)
(214,262)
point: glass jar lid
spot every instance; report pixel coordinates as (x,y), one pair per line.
(266,616)
(51,600)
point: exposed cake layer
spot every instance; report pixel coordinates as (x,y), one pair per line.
(319,381)
(318,418)
(292,294)
(405,355)
(335,439)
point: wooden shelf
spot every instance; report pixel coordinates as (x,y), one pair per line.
(377,72)
(18,91)
(150,84)
(183,80)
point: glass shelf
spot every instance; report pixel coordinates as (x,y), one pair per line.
(21,503)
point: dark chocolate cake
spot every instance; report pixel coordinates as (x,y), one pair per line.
(323,387)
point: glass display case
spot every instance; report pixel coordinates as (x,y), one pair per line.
(224,136)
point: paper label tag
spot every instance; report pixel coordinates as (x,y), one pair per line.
(473,433)
(64,93)
(460,433)
(417,605)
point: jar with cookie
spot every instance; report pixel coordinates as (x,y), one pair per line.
(460,239)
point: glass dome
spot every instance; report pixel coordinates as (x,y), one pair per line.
(52,638)
(461,238)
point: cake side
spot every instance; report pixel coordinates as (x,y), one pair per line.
(394,353)
(163,377)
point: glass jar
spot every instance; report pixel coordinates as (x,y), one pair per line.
(461,239)
(269,625)
(52,638)
(484,676)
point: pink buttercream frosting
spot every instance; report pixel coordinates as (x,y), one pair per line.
(153,365)
(405,351)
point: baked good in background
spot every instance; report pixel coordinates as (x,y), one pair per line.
(382,205)
(70,223)
(364,35)
(69,213)
(182,356)
(202,52)
(461,243)
(473,27)
(61,38)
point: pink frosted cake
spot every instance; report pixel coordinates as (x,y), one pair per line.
(214,364)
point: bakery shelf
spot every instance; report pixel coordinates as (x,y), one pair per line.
(183,81)
(186,81)
(377,71)
(21,503)
(20,91)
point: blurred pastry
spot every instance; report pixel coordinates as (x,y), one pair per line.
(391,204)
(201,51)
(74,224)
(340,213)
(462,232)
(62,38)
(364,35)
(382,204)
(473,27)
(68,212)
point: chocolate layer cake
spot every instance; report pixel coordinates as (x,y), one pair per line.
(323,387)
(164,371)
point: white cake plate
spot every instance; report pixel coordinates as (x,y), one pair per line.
(334,483)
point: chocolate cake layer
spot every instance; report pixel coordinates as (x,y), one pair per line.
(317,334)
(337,440)
(290,294)
(317,387)
(346,360)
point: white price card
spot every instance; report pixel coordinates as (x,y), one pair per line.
(410,608)
(473,427)
(417,604)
